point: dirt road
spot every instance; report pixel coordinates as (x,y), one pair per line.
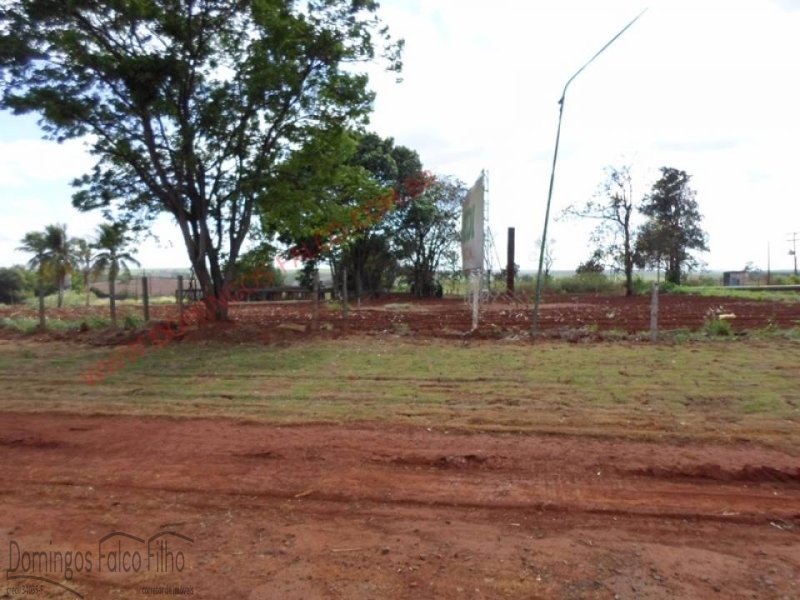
(379,512)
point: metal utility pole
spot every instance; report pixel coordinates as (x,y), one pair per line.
(793,251)
(535,324)
(511,263)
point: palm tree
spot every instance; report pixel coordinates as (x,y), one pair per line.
(113,257)
(59,255)
(35,243)
(83,260)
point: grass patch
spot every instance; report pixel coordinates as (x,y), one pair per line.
(29,325)
(726,389)
(399,306)
(71,298)
(74,299)
(724,292)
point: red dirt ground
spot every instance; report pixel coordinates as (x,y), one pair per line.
(369,511)
(364,512)
(561,316)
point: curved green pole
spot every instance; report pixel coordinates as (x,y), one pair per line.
(535,324)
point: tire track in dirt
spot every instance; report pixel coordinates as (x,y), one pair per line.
(398,512)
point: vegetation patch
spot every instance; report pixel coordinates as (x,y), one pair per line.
(633,389)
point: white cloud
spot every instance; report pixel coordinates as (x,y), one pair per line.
(28,162)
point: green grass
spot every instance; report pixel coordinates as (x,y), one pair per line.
(70,299)
(722,292)
(30,325)
(725,389)
(74,299)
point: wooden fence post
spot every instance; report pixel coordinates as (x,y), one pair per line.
(315,309)
(654,314)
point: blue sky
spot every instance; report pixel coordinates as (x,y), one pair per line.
(706,86)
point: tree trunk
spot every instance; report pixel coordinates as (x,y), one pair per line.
(216,294)
(214,283)
(42,321)
(628,258)
(673,274)
(60,291)
(112,292)
(628,279)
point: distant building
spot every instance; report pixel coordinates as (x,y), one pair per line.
(750,278)
(739,278)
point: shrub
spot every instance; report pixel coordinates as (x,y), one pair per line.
(585,283)
(718,327)
(132,322)
(785,280)
(702,281)
(669,287)
(98,323)
(12,286)
(641,287)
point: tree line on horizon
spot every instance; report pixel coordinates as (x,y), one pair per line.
(667,238)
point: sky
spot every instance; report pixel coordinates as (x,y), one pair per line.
(706,86)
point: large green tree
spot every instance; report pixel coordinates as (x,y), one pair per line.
(113,256)
(190,106)
(59,256)
(345,207)
(673,229)
(426,229)
(367,252)
(325,195)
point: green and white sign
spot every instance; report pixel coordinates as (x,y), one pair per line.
(472,228)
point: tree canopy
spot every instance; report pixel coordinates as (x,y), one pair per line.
(113,256)
(12,285)
(344,216)
(426,230)
(673,226)
(190,107)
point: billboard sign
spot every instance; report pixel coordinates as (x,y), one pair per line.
(472,228)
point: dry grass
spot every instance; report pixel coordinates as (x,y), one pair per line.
(720,390)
